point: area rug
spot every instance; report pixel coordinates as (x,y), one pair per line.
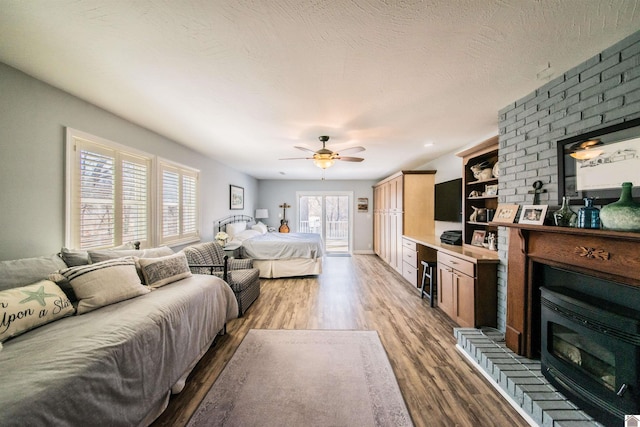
(305,377)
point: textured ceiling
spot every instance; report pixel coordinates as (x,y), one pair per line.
(244,81)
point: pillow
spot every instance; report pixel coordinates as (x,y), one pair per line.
(250,224)
(28,307)
(161,271)
(73,257)
(246,234)
(21,272)
(260,227)
(106,254)
(103,283)
(99,255)
(235,228)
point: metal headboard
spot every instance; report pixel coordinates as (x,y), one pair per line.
(221,224)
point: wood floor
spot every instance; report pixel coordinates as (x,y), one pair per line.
(361,292)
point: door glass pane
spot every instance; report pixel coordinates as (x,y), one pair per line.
(310,214)
(337,224)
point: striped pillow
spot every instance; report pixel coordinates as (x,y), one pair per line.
(103,283)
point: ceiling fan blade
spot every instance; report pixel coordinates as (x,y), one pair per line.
(304,149)
(352,150)
(349,159)
(297,158)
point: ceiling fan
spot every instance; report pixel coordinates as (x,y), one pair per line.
(325,158)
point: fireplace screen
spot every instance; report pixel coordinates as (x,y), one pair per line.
(594,360)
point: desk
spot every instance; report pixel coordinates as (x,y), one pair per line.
(467,280)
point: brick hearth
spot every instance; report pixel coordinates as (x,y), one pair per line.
(519,380)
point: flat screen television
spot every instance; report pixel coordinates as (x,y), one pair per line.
(448,201)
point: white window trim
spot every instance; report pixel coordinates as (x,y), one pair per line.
(154,199)
(182,170)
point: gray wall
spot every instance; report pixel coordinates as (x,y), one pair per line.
(33,117)
(273,193)
(602,91)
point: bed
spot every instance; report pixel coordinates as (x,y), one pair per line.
(274,254)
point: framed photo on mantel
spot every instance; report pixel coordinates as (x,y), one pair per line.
(505,214)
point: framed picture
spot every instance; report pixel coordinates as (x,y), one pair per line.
(478,237)
(491,190)
(363,204)
(236,197)
(595,164)
(505,214)
(533,214)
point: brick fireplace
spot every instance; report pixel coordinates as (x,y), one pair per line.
(596,274)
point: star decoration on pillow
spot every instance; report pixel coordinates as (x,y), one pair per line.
(38,295)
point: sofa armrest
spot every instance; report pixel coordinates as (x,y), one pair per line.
(240,264)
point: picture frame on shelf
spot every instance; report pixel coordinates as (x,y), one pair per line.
(491,190)
(596,163)
(533,214)
(505,213)
(478,237)
(236,197)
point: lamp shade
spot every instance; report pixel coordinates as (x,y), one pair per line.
(262,213)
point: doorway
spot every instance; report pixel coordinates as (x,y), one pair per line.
(330,215)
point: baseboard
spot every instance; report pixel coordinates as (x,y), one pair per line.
(365,252)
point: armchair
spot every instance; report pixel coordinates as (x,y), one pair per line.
(244,280)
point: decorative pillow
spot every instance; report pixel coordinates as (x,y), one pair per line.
(260,227)
(106,254)
(103,283)
(235,228)
(73,257)
(16,273)
(28,307)
(162,271)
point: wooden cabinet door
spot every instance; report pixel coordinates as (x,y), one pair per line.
(464,300)
(446,290)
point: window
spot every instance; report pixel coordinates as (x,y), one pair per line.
(178,203)
(110,198)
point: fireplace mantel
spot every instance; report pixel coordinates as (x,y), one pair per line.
(608,255)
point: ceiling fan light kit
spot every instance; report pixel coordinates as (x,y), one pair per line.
(325,158)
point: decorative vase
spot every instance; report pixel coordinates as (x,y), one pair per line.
(222,242)
(565,217)
(589,216)
(623,215)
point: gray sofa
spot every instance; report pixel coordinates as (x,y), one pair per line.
(114,365)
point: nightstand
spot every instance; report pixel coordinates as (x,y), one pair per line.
(233,250)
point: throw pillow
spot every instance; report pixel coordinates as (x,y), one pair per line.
(28,307)
(162,271)
(235,228)
(105,254)
(260,227)
(73,257)
(103,283)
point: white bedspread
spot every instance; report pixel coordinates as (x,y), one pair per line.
(284,246)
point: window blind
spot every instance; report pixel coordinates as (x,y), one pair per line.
(179,198)
(109,194)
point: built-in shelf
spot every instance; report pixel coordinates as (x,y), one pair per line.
(495,196)
(475,190)
(484,181)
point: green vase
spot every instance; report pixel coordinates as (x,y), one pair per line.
(623,215)
(565,217)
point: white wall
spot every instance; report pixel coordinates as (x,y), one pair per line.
(447,167)
(273,193)
(33,118)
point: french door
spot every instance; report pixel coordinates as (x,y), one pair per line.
(328,214)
